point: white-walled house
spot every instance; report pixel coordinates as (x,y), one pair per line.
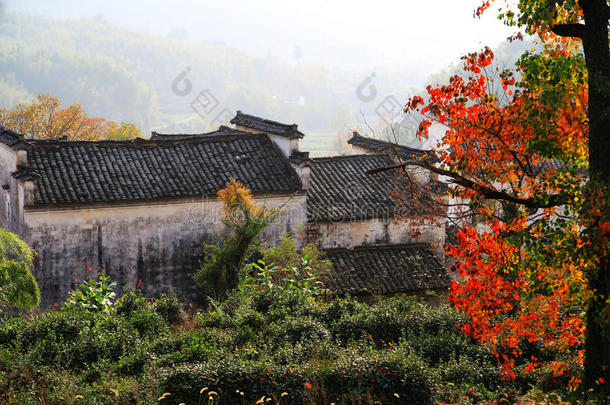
(141,209)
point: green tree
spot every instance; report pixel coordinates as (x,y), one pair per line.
(18,287)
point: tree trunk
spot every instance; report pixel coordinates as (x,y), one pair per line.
(595,44)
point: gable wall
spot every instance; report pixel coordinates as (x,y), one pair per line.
(158,243)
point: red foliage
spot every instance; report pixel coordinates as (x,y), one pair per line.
(521,279)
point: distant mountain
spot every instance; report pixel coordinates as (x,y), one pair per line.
(168,83)
(125,75)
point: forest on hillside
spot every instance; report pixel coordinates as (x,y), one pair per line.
(124,75)
(128,76)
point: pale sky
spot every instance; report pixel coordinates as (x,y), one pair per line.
(421,36)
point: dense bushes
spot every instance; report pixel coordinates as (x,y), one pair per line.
(275,342)
(355,375)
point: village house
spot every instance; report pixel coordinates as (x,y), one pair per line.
(141,209)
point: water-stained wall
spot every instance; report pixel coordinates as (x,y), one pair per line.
(398,230)
(159,244)
(11,192)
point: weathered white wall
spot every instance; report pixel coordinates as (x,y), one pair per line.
(11,193)
(380,231)
(159,243)
(285,144)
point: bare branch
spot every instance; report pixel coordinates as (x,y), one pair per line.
(486,192)
(365,122)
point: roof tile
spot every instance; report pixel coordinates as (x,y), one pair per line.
(341,190)
(379,146)
(384,269)
(261,124)
(172,166)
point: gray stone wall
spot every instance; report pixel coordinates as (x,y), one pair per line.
(159,243)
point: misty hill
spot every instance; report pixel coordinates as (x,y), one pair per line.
(125,75)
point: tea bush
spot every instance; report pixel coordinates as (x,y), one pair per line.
(279,343)
(170,309)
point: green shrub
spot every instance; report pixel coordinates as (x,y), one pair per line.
(62,326)
(133,364)
(353,376)
(130,302)
(379,375)
(10,330)
(297,329)
(182,347)
(244,334)
(249,317)
(255,343)
(146,322)
(170,309)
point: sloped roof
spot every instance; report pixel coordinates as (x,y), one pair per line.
(340,189)
(106,171)
(261,124)
(298,157)
(384,269)
(10,137)
(379,146)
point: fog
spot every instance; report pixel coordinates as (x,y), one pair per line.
(293,61)
(421,37)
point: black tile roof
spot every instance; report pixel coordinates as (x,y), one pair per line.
(223,129)
(379,146)
(298,157)
(261,124)
(384,269)
(194,165)
(341,190)
(10,137)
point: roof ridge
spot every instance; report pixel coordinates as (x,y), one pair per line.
(349,157)
(204,137)
(222,128)
(10,137)
(380,247)
(267,120)
(266,125)
(355,134)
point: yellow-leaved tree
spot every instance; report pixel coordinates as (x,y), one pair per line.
(45,119)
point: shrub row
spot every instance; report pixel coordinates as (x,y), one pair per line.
(274,343)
